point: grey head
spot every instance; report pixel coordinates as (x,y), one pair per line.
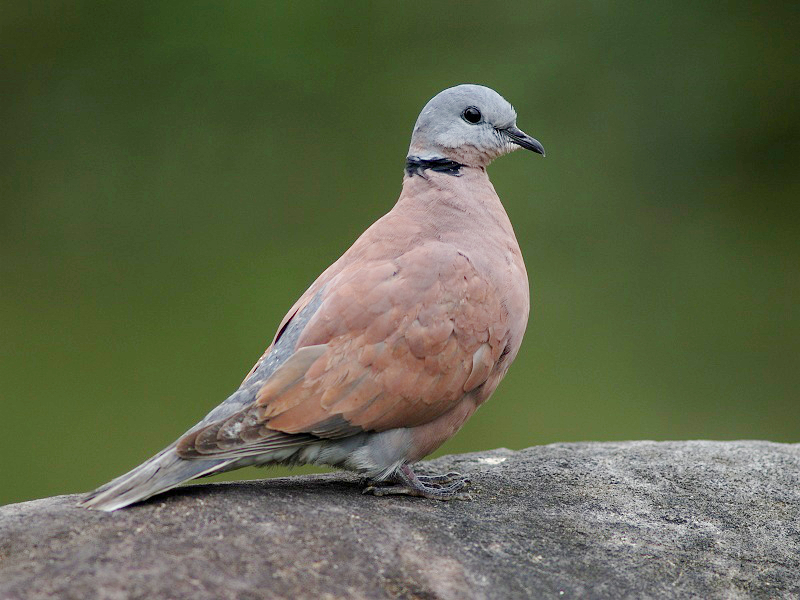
(470,124)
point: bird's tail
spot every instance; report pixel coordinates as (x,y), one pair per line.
(164,471)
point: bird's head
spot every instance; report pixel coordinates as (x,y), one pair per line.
(470,124)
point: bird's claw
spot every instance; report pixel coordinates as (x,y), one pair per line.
(449,486)
(445,478)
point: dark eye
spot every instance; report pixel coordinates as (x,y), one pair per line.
(471,115)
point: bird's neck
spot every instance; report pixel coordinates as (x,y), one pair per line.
(418,165)
(439,198)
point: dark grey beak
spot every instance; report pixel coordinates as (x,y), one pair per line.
(520,138)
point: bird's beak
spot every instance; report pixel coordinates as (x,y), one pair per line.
(520,138)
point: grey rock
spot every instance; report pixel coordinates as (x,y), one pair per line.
(593,520)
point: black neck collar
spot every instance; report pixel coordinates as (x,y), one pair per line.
(416,166)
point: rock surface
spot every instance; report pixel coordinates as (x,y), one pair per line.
(593,520)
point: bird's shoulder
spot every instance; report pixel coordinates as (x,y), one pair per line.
(430,283)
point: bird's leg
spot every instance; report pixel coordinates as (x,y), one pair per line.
(434,487)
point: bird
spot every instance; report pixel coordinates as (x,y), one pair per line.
(394,346)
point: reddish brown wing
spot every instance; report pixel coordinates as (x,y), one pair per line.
(395,344)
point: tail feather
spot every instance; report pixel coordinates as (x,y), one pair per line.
(164,471)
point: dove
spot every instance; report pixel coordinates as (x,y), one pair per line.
(396,344)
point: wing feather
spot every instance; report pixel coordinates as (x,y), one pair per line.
(395,343)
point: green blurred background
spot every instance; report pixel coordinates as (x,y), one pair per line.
(175,174)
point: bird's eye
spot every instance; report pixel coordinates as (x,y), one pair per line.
(471,115)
